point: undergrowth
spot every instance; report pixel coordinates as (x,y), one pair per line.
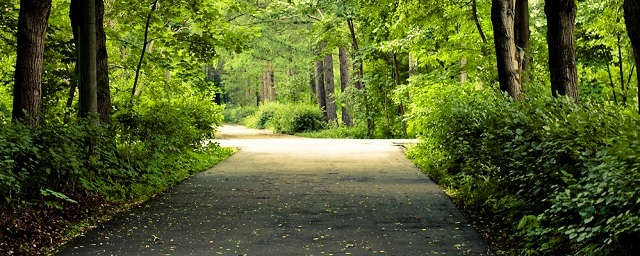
(286,118)
(560,178)
(56,175)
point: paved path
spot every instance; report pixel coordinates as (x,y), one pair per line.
(283,195)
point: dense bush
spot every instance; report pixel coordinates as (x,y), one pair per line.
(338,132)
(169,125)
(562,176)
(236,115)
(146,154)
(287,118)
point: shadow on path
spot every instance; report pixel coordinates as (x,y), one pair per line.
(283,195)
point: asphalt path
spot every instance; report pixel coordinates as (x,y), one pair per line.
(285,195)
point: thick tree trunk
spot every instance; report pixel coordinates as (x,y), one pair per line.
(104,92)
(632,20)
(87,59)
(561,16)
(522,34)
(320,92)
(343,55)
(329,88)
(32,26)
(502,18)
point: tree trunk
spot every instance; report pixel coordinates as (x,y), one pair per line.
(359,67)
(464,76)
(396,76)
(144,47)
(32,27)
(87,59)
(502,18)
(474,10)
(561,16)
(329,88)
(413,65)
(320,92)
(271,83)
(312,84)
(263,88)
(632,20)
(344,82)
(522,34)
(104,92)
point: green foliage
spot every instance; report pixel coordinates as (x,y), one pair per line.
(338,132)
(287,118)
(260,119)
(155,145)
(574,167)
(169,125)
(236,115)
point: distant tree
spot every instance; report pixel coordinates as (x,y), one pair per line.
(32,26)
(561,16)
(329,88)
(319,76)
(343,55)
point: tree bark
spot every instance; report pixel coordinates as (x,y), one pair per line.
(502,18)
(32,26)
(87,60)
(632,21)
(343,55)
(561,16)
(329,88)
(104,92)
(522,34)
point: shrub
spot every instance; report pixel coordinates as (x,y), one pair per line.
(566,175)
(287,118)
(236,115)
(293,118)
(338,132)
(169,125)
(262,116)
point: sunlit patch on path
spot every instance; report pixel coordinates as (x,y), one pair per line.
(282,195)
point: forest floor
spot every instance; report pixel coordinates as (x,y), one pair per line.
(285,195)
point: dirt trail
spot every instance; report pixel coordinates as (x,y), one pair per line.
(284,195)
